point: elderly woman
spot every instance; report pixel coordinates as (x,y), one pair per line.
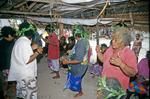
(119,62)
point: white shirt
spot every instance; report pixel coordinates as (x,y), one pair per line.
(21,53)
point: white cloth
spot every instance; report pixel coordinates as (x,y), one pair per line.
(19,68)
(54,64)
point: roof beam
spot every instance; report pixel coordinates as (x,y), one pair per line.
(32,5)
(24,13)
(38,6)
(43,1)
(20,4)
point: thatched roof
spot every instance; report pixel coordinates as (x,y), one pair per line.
(135,12)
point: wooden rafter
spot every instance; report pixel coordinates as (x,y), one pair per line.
(32,5)
(20,4)
(36,8)
(42,1)
(24,13)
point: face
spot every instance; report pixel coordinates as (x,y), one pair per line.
(137,37)
(10,38)
(103,49)
(76,38)
(116,43)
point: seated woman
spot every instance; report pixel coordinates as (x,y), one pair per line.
(140,85)
(96,69)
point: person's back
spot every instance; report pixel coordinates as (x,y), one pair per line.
(143,68)
(53,47)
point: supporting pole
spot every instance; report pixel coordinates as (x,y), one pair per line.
(61,27)
(100,15)
(97,34)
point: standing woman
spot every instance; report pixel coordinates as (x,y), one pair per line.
(78,65)
(23,67)
(119,62)
(53,50)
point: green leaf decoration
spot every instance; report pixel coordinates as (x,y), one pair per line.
(21,33)
(102,86)
(80,29)
(110,95)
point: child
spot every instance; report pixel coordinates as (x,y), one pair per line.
(96,68)
(137,45)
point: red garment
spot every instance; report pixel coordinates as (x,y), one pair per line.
(128,57)
(53,47)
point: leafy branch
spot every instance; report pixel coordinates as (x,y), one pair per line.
(102,86)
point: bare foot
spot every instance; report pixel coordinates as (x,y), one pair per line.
(78,94)
(56,77)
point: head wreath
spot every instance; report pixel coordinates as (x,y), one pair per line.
(22,31)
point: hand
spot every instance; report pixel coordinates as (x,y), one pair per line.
(65,61)
(116,61)
(97,49)
(40,50)
(34,46)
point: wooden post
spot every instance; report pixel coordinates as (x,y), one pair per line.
(97,34)
(61,27)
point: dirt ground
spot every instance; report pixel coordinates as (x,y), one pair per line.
(53,88)
(49,88)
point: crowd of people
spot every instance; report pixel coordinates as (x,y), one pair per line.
(118,63)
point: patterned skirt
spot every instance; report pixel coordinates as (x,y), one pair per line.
(27,88)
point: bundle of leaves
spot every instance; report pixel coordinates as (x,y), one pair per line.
(110,92)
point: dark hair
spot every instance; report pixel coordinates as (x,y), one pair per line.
(71,38)
(78,35)
(103,45)
(50,28)
(70,45)
(148,55)
(63,38)
(7,30)
(27,29)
